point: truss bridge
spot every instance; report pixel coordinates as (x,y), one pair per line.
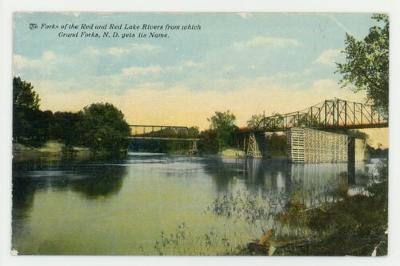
(312,133)
(329,114)
(165,133)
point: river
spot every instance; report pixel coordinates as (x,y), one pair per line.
(149,204)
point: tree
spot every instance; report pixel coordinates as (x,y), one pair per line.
(24,95)
(30,124)
(367,63)
(274,122)
(66,128)
(193,132)
(208,143)
(223,123)
(255,122)
(104,128)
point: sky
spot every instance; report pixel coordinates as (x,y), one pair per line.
(247,63)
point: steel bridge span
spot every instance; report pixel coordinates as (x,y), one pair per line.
(164,133)
(329,115)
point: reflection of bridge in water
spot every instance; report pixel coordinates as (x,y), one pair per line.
(308,184)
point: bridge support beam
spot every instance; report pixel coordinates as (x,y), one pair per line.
(253,145)
(193,148)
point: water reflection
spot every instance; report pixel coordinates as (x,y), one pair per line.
(308,184)
(159,192)
(89,179)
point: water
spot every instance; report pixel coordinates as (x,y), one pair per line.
(159,204)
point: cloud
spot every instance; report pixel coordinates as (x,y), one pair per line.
(139,71)
(119,51)
(156,69)
(22,62)
(266,41)
(190,63)
(92,51)
(132,48)
(328,57)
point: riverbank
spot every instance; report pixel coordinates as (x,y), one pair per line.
(232,153)
(51,149)
(354,226)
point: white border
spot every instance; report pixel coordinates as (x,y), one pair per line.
(8,7)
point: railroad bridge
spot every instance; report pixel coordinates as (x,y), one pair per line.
(312,132)
(165,133)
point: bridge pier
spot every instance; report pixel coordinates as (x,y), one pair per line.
(254,145)
(193,149)
(306,145)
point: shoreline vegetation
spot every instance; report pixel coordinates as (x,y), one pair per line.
(51,149)
(102,129)
(353,225)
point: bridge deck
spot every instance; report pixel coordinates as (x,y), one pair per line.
(328,127)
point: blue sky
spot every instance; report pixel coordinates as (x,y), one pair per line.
(245,62)
(228,45)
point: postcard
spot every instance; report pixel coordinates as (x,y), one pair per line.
(231,134)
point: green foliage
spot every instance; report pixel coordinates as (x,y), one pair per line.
(275,121)
(30,125)
(377,152)
(243,205)
(193,132)
(185,241)
(367,63)
(100,127)
(208,143)
(104,129)
(355,225)
(223,123)
(66,128)
(24,97)
(255,122)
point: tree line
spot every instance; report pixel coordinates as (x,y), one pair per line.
(101,127)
